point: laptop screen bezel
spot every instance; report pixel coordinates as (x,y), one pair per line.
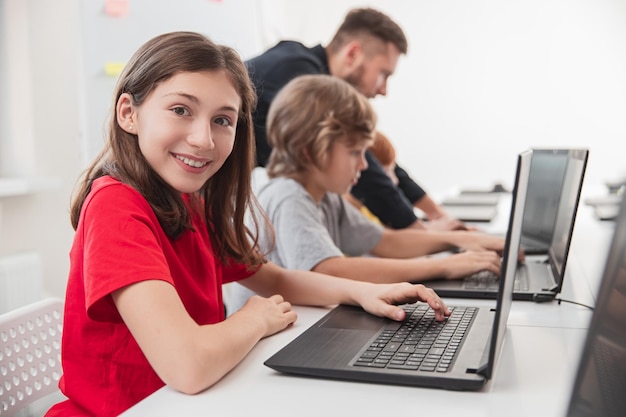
(509,259)
(558,265)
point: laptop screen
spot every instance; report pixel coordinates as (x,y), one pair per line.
(567,207)
(547,169)
(601,378)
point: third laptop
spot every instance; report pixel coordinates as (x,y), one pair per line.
(598,389)
(548,213)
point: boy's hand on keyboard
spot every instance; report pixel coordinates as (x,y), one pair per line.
(466,263)
(478,241)
(445,223)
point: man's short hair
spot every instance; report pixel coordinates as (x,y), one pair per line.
(368,22)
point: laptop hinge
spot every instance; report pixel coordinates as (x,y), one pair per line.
(480,371)
(484,361)
(543,298)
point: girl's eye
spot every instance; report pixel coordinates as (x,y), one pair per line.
(181,111)
(222,121)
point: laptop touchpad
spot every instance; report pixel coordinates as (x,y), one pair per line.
(356,320)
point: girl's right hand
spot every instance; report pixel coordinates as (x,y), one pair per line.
(274,313)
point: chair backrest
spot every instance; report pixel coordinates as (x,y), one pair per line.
(30,354)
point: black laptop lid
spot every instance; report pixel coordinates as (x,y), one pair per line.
(566,214)
(509,258)
(599,388)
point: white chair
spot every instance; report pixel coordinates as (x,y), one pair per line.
(30,355)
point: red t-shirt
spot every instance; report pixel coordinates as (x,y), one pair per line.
(119,242)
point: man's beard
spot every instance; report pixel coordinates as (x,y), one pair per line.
(355,77)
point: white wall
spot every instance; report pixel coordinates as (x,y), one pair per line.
(16,156)
(496,77)
(483,80)
(41,134)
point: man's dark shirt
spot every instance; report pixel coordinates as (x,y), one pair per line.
(269,72)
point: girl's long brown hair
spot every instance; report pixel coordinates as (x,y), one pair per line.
(226,198)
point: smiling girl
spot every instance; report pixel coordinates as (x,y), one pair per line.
(159,219)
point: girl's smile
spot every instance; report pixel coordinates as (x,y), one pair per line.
(192,163)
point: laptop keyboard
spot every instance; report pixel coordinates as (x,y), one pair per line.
(489,281)
(419,342)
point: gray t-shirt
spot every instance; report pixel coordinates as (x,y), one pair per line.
(306,233)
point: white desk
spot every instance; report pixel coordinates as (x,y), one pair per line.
(534,370)
(534,374)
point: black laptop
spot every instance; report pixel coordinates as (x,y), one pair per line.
(600,382)
(349,343)
(540,277)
